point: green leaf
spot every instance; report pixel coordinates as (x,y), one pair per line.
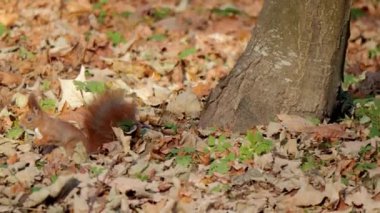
(309,164)
(219,166)
(40,164)
(245,153)
(116,38)
(80,85)
(90,86)
(258,144)
(188,150)
(157,37)
(15,132)
(344,180)
(374,132)
(349,79)
(45,85)
(54,178)
(23,38)
(184,161)
(3,29)
(142,177)
(87,35)
(230,157)
(373,53)
(36,189)
(171,126)
(314,120)
(126,125)
(251,137)
(161,13)
(126,14)
(96,86)
(222,144)
(48,104)
(174,151)
(370,108)
(102,16)
(364,149)
(228,11)
(264,147)
(211,141)
(365,166)
(100,4)
(220,188)
(96,170)
(189,51)
(25,54)
(356,13)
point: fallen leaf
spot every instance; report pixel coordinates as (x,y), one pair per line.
(27,175)
(327,131)
(8,19)
(294,123)
(125,141)
(186,102)
(201,90)
(61,47)
(10,79)
(307,195)
(12,159)
(78,6)
(71,95)
(124,184)
(362,197)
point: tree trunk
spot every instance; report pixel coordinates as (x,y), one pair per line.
(293,64)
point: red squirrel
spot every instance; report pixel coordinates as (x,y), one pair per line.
(103,113)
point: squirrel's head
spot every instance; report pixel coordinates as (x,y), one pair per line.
(32,117)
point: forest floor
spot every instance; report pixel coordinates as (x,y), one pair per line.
(168,55)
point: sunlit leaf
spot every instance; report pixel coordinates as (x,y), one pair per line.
(187,52)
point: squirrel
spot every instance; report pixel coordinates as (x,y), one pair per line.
(106,111)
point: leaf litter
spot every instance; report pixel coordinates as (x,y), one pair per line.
(168,56)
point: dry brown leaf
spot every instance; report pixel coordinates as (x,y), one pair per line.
(8,19)
(362,197)
(154,208)
(327,131)
(294,123)
(307,195)
(17,188)
(12,159)
(137,68)
(177,75)
(10,79)
(124,184)
(186,102)
(78,6)
(201,90)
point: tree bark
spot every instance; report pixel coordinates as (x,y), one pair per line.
(293,64)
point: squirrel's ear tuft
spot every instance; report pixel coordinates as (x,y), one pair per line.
(33,103)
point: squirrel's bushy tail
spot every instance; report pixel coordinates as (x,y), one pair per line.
(104,113)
